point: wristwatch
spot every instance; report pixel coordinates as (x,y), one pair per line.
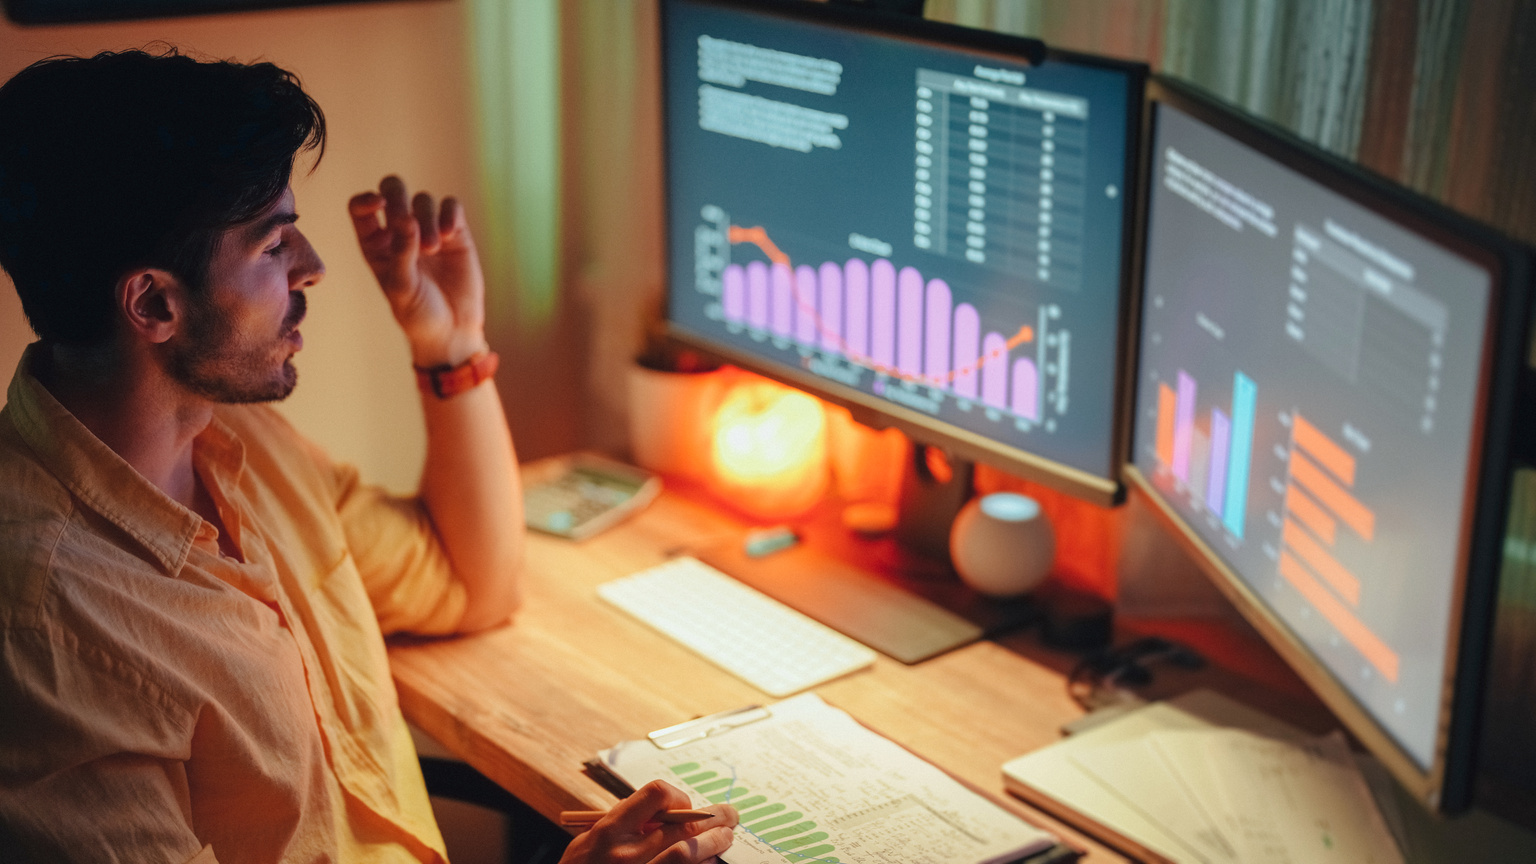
(446,381)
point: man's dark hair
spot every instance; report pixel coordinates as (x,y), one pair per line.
(135,159)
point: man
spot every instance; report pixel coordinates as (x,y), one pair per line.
(192,596)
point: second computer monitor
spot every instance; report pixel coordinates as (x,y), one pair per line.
(1326,367)
(908,218)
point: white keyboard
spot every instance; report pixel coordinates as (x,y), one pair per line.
(752,636)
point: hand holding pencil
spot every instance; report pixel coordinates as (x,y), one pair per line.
(656,825)
(588,818)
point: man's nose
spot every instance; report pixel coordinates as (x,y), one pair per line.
(308,271)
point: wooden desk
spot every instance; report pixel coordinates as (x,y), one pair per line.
(526,704)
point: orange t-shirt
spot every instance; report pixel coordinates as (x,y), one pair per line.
(162,702)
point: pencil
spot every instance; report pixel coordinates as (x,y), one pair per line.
(579,818)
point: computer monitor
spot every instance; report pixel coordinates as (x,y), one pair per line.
(1326,372)
(923,222)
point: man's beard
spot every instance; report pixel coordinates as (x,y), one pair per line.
(222,365)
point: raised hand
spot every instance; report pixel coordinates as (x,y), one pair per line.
(425,260)
(627,835)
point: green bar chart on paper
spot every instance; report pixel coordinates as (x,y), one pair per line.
(784,830)
(813,786)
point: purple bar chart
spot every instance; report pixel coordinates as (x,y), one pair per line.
(967,344)
(909,324)
(783,299)
(882,315)
(894,321)
(1183,427)
(1213,466)
(1026,389)
(900,324)
(830,278)
(994,373)
(805,305)
(936,334)
(1216,487)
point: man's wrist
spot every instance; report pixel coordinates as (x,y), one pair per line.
(449,353)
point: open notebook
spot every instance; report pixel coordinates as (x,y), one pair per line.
(812,784)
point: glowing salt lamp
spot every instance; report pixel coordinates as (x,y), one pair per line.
(769,453)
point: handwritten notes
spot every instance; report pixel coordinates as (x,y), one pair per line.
(812,784)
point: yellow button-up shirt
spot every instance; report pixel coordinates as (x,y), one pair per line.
(162,702)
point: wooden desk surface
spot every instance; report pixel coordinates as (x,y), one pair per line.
(526,704)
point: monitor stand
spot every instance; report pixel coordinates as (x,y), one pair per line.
(883,592)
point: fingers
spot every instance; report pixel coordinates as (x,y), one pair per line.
(629,831)
(426,223)
(631,814)
(696,849)
(725,816)
(390,248)
(453,224)
(364,209)
(405,233)
(695,841)
(407,228)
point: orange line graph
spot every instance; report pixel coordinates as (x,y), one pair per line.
(758,236)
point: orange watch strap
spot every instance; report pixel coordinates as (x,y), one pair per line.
(448,381)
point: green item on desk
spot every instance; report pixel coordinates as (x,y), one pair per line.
(763,542)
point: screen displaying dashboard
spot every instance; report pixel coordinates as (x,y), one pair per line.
(1308,401)
(927,229)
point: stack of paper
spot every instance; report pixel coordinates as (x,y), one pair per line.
(1229,795)
(1182,788)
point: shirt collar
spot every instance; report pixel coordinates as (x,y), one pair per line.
(102,480)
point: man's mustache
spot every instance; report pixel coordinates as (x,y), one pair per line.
(298,306)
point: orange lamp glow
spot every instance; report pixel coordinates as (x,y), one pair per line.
(769,453)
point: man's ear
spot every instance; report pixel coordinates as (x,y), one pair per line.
(153,304)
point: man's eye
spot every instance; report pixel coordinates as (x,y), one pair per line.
(277,248)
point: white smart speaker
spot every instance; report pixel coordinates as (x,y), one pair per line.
(1002,544)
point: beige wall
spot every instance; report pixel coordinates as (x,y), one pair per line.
(392,79)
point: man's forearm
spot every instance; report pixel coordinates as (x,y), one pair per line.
(425,261)
(471,488)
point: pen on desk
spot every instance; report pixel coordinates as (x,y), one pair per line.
(582,818)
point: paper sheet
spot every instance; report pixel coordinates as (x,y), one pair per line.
(1135,772)
(1053,772)
(1247,830)
(1281,802)
(814,785)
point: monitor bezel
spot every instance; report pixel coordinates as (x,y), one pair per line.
(1446,785)
(1108,490)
